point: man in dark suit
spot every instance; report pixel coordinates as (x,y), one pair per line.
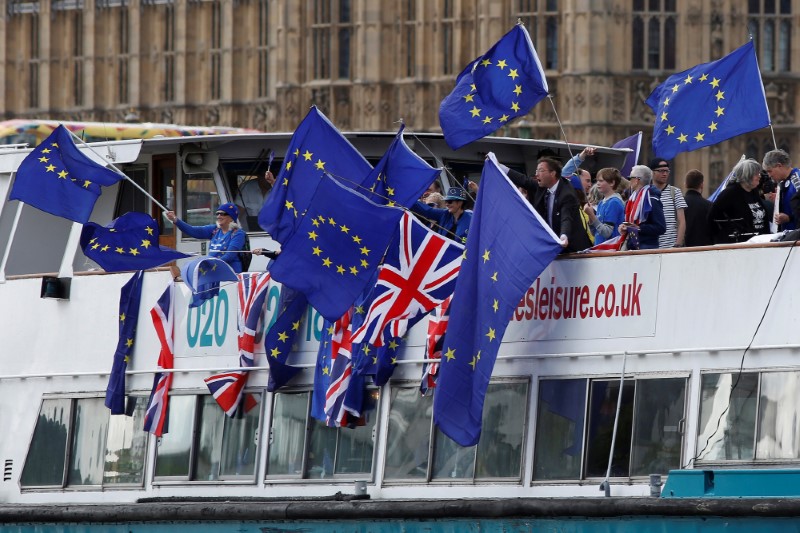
(557,203)
(698,230)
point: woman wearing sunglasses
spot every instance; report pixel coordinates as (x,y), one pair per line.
(226,238)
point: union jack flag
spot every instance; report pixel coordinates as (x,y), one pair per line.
(157,411)
(338,392)
(419,272)
(637,210)
(228,387)
(437,325)
(341,370)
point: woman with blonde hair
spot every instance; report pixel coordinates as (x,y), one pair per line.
(610,211)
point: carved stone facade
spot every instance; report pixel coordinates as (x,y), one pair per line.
(367,65)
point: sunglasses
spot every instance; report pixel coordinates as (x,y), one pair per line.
(221,214)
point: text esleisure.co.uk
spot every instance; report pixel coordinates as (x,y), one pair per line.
(555,302)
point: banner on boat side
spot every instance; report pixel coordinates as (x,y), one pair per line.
(570,300)
(578,300)
(210,329)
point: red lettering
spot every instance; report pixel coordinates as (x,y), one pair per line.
(584,302)
(598,308)
(635,288)
(625,304)
(611,294)
(519,312)
(543,300)
(557,302)
(529,303)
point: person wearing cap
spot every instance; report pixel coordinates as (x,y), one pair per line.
(557,203)
(674,206)
(650,226)
(453,221)
(226,238)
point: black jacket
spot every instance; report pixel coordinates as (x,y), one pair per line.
(698,230)
(566,215)
(736,215)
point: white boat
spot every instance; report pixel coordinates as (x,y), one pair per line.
(702,340)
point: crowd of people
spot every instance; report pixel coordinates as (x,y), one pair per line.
(640,211)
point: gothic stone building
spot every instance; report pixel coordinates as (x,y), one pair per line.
(368,64)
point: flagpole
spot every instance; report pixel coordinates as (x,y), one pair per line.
(776,209)
(771,129)
(118,171)
(561,126)
(605,486)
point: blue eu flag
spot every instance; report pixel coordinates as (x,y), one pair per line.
(203,276)
(401,176)
(336,248)
(129,242)
(508,246)
(58,179)
(130,296)
(279,340)
(709,103)
(316,147)
(504,83)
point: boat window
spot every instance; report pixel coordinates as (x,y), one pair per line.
(648,438)
(559,429)
(245,180)
(658,418)
(303,447)
(498,454)
(287,435)
(600,417)
(174,447)
(208,446)
(88,436)
(749,417)
(200,199)
(778,437)
(103,450)
(130,198)
(727,417)
(240,445)
(408,440)
(45,462)
(203,444)
(126,447)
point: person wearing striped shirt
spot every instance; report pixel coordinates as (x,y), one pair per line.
(674,206)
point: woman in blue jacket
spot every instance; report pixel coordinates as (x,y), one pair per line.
(453,221)
(226,237)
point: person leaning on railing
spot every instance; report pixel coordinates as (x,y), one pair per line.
(738,212)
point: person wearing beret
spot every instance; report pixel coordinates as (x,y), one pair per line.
(226,237)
